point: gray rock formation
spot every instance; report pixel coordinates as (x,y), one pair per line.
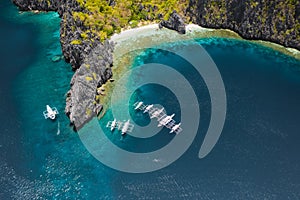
(95,58)
(175,22)
(42,5)
(82,101)
(272,20)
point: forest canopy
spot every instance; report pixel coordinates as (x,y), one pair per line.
(102,18)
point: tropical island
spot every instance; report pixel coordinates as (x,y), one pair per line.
(87,26)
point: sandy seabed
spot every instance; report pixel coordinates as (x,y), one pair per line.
(147,36)
(151,35)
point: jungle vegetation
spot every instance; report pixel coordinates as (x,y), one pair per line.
(103,18)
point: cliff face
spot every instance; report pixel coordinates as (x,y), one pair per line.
(83,99)
(92,70)
(272,20)
(86,24)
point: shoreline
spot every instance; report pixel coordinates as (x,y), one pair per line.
(193,31)
(150,35)
(77,45)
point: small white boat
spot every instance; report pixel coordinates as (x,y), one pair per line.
(50,112)
(176,128)
(124,127)
(156,113)
(148,108)
(113,125)
(165,121)
(138,105)
(161,116)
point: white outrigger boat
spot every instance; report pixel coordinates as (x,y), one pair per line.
(175,128)
(113,125)
(162,118)
(50,112)
(124,127)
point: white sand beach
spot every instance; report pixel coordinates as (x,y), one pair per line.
(150,35)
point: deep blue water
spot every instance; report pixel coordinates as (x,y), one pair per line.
(40,158)
(256,156)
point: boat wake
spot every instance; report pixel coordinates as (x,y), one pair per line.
(58,128)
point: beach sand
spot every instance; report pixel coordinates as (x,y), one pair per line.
(151,35)
(130,42)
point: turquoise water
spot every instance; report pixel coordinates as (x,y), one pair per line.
(41,158)
(255,158)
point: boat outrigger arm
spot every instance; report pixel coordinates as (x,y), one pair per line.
(124,127)
(50,112)
(161,116)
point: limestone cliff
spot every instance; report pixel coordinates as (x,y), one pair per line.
(86,25)
(272,20)
(92,70)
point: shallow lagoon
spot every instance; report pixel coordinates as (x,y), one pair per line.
(256,156)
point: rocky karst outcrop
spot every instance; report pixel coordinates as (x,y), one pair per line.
(175,22)
(43,5)
(90,58)
(83,101)
(273,20)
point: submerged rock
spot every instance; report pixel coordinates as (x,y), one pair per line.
(56,58)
